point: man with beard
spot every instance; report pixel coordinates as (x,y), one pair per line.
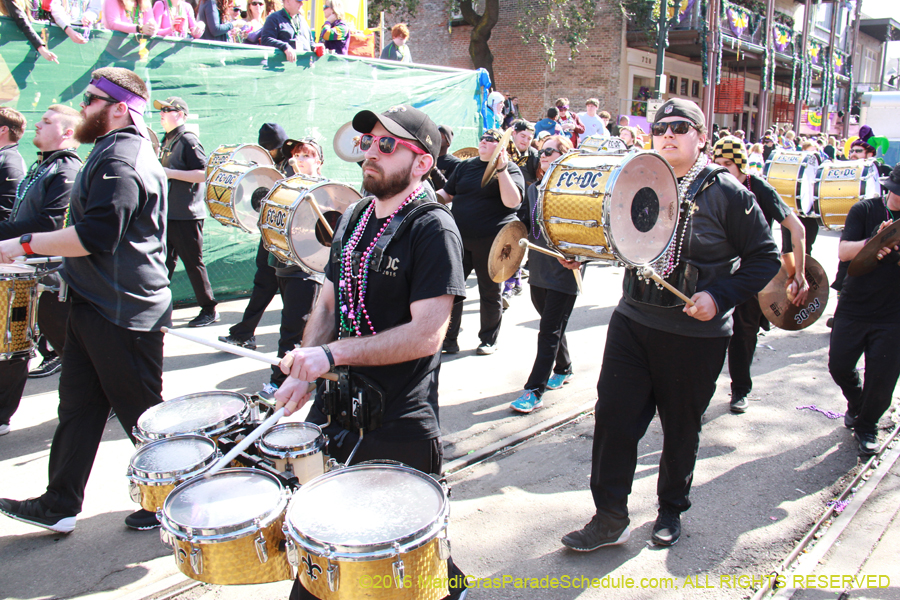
(119,290)
(394,274)
(41,201)
(12,167)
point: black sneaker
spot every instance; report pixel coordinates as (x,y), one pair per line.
(142,520)
(206,317)
(34,512)
(667,528)
(249,343)
(739,403)
(850,420)
(450,347)
(596,534)
(868,443)
(48,367)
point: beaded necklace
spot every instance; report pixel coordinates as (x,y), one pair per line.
(37,170)
(353,302)
(670,259)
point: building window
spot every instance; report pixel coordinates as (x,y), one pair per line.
(746,98)
(673,84)
(756,100)
(695,89)
(684,86)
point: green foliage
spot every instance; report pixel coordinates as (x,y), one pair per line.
(568,22)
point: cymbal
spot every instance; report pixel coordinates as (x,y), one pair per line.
(346,143)
(774,302)
(465,153)
(492,163)
(506,254)
(867,259)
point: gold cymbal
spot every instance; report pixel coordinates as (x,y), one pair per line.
(465,153)
(867,259)
(777,307)
(506,254)
(491,169)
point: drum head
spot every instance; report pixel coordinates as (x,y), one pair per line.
(366,505)
(292,435)
(173,455)
(642,211)
(16,270)
(192,413)
(230,498)
(310,242)
(252,187)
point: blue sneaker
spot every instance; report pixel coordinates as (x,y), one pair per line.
(557,381)
(526,403)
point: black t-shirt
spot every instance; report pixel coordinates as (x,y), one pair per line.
(446,164)
(769,201)
(875,296)
(424,261)
(544,271)
(182,151)
(479,211)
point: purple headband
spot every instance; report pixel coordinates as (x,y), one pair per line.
(136,104)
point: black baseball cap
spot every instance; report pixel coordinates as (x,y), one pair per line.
(404,121)
(173,102)
(288,147)
(447,132)
(892,182)
(679,107)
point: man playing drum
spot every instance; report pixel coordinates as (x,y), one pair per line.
(394,274)
(664,356)
(730,152)
(119,291)
(41,202)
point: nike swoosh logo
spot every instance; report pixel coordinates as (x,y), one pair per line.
(67,181)
(114,177)
(8,179)
(748,211)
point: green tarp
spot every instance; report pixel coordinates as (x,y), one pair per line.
(232,90)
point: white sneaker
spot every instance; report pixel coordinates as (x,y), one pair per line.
(4,429)
(268,392)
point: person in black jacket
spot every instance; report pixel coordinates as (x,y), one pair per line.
(12,167)
(662,355)
(41,202)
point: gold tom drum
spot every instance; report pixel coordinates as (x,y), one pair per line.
(296,448)
(793,175)
(18,311)
(840,185)
(210,414)
(235,192)
(386,524)
(158,467)
(609,206)
(246,154)
(290,225)
(227,529)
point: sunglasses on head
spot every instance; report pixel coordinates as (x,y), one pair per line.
(89,98)
(386,144)
(549,151)
(566,107)
(678,127)
(520,127)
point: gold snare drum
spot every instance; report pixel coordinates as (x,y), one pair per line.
(793,175)
(18,311)
(228,529)
(235,192)
(370,522)
(246,154)
(296,448)
(290,225)
(840,185)
(158,467)
(609,206)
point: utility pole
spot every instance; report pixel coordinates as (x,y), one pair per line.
(662,42)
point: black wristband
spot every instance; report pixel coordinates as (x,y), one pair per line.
(329,355)
(505,167)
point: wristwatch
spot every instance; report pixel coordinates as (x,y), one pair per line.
(25,240)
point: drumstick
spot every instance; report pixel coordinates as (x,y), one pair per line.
(523,243)
(318,211)
(287,361)
(37,261)
(649,272)
(254,435)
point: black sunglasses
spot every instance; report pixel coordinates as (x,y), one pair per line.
(489,138)
(678,127)
(549,151)
(168,109)
(89,98)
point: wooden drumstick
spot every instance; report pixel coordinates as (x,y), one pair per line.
(318,211)
(576,272)
(649,272)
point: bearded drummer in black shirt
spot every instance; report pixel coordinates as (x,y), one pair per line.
(480,213)
(662,355)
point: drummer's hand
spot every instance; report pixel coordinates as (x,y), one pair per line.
(704,307)
(308,363)
(503,160)
(290,55)
(887,249)
(292,395)
(800,290)
(10,249)
(572,265)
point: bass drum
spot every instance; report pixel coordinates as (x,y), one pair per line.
(615,207)
(290,226)
(793,175)
(235,192)
(245,154)
(840,185)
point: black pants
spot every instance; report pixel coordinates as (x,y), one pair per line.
(476,253)
(868,399)
(184,240)
(748,318)
(265,286)
(52,316)
(103,366)
(555,309)
(646,370)
(298,294)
